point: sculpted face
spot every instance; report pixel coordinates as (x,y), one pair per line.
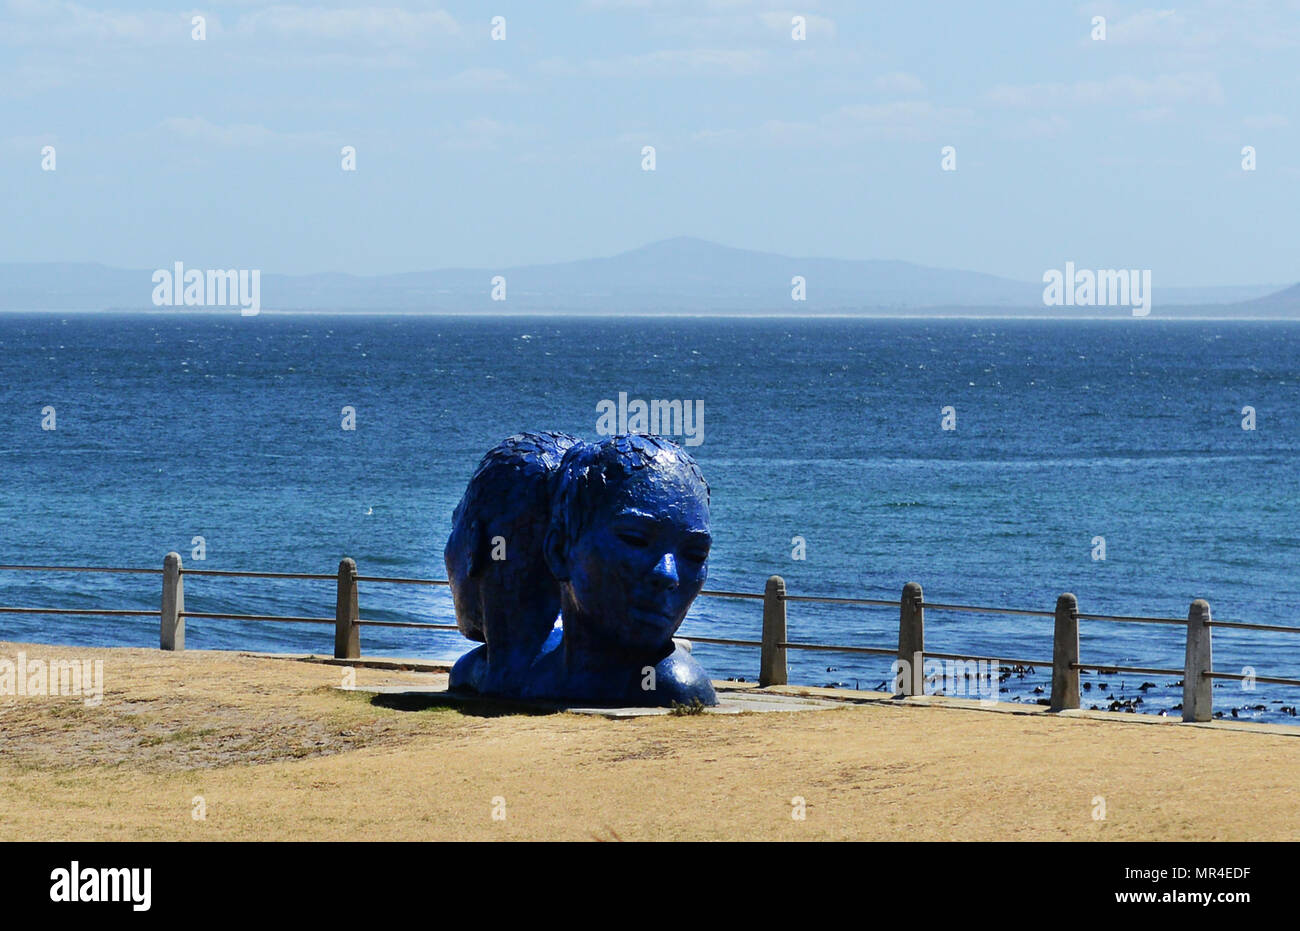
(640,559)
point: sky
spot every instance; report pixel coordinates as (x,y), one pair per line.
(1122,152)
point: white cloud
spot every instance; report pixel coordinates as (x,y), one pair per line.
(1159,27)
(1266,121)
(674,62)
(375,25)
(900,83)
(1198,27)
(1162,90)
(472,80)
(1043,127)
(478,134)
(28,145)
(903,119)
(1153,115)
(237,135)
(57,22)
(911,119)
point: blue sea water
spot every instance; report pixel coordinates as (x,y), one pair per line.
(175,426)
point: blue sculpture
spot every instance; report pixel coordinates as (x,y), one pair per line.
(626,549)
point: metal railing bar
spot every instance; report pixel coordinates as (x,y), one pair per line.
(259,575)
(835,648)
(1037,664)
(977,609)
(721,594)
(1111,669)
(406,624)
(90,611)
(1241,678)
(377,578)
(76,569)
(1133,619)
(721,641)
(839,601)
(256,617)
(1243,626)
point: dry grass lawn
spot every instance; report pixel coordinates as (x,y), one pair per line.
(276,752)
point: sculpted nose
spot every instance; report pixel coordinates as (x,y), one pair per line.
(665,573)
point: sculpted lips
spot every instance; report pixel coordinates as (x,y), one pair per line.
(653,614)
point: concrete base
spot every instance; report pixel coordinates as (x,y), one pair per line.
(730,701)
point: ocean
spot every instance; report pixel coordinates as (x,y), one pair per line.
(820,438)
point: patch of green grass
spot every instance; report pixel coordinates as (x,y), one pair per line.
(187,734)
(695,707)
(184,735)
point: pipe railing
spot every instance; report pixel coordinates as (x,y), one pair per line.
(910,652)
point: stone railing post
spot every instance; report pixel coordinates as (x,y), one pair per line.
(1065,654)
(171,635)
(347,632)
(773,668)
(910,679)
(1198,697)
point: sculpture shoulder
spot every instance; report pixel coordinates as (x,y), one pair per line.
(679,678)
(468,672)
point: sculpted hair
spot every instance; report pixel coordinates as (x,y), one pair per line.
(590,472)
(510,495)
(519,467)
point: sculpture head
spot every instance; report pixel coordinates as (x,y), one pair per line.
(500,584)
(628,542)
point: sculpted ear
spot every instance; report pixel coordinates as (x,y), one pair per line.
(554,550)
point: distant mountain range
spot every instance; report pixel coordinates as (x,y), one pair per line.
(682,275)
